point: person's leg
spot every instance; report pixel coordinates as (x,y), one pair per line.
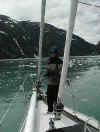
(50,105)
(50,98)
(55,93)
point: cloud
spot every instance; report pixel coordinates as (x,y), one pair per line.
(87,23)
(21,9)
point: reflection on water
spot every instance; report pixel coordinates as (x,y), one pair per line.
(84,73)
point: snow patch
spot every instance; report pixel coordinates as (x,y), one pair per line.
(10,19)
(6,22)
(2,32)
(12,26)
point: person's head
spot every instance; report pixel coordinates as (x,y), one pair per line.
(53,51)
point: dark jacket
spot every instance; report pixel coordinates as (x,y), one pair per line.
(54,70)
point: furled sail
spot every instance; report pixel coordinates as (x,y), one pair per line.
(73,10)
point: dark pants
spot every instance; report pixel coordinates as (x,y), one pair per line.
(52,93)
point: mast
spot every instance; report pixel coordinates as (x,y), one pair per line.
(30,124)
(42,23)
(71,22)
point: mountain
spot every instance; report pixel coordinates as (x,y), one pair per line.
(19,39)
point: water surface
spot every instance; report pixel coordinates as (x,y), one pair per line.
(17,78)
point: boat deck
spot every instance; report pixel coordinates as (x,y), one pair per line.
(58,124)
(40,120)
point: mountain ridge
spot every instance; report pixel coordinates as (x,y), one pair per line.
(19,39)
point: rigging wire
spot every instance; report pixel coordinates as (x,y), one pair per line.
(89,4)
(22,87)
(22,124)
(73,96)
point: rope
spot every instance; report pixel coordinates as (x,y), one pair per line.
(22,124)
(22,87)
(89,4)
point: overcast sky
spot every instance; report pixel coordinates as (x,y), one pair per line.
(87,23)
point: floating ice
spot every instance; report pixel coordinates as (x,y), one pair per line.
(77,77)
(33,74)
(84,100)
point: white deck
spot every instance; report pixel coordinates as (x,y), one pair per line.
(38,120)
(44,119)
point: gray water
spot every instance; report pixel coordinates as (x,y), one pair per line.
(17,78)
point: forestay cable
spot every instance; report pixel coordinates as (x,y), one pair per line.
(89,4)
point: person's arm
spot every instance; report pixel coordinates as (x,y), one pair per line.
(60,65)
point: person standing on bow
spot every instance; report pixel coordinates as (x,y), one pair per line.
(53,77)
